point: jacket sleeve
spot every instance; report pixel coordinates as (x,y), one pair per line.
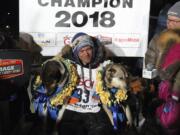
(152,51)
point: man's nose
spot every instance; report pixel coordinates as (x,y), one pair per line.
(85,52)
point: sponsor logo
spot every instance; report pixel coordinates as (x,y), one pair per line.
(10,68)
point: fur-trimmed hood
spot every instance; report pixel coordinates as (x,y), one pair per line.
(168,59)
(100,53)
(165,42)
(159,45)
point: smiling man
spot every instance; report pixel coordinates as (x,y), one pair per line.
(85,55)
(86,116)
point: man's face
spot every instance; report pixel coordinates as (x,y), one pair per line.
(85,54)
(173,22)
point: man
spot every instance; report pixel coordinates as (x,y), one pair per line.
(173,22)
(86,117)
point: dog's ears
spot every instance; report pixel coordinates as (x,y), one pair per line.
(124,70)
(61,67)
(66,52)
(126,73)
(122,67)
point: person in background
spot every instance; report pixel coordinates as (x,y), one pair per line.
(14,101)
(162,18)
(173,22)
(168,63)
(85,116)
(163,54)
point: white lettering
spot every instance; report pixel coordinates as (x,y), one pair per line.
(87,3)
(8,68)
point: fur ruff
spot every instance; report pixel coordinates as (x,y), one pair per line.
(101,53)
(165,41)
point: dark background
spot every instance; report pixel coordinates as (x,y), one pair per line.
(9,13)
(9,17)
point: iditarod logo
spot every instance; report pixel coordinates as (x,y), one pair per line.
(67,40)
(10,68)
(105,40)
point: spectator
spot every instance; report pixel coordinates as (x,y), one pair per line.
(173,21)
(163,54)
(13,95)
(162,17)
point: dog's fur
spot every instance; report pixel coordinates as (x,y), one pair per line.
(26,42)
(115,75)
(7,42)
(53,73)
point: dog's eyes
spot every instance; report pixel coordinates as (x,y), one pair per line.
(121,78)
(112,70)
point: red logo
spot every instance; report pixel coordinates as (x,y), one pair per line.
(66,40)
(10,68)
(86,83)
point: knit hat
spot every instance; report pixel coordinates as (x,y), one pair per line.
(175,10)
(79,41)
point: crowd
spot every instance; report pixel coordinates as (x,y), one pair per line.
(82,91)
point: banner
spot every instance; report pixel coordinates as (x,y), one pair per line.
(121,25)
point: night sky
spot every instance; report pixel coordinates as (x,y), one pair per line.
(9,17)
